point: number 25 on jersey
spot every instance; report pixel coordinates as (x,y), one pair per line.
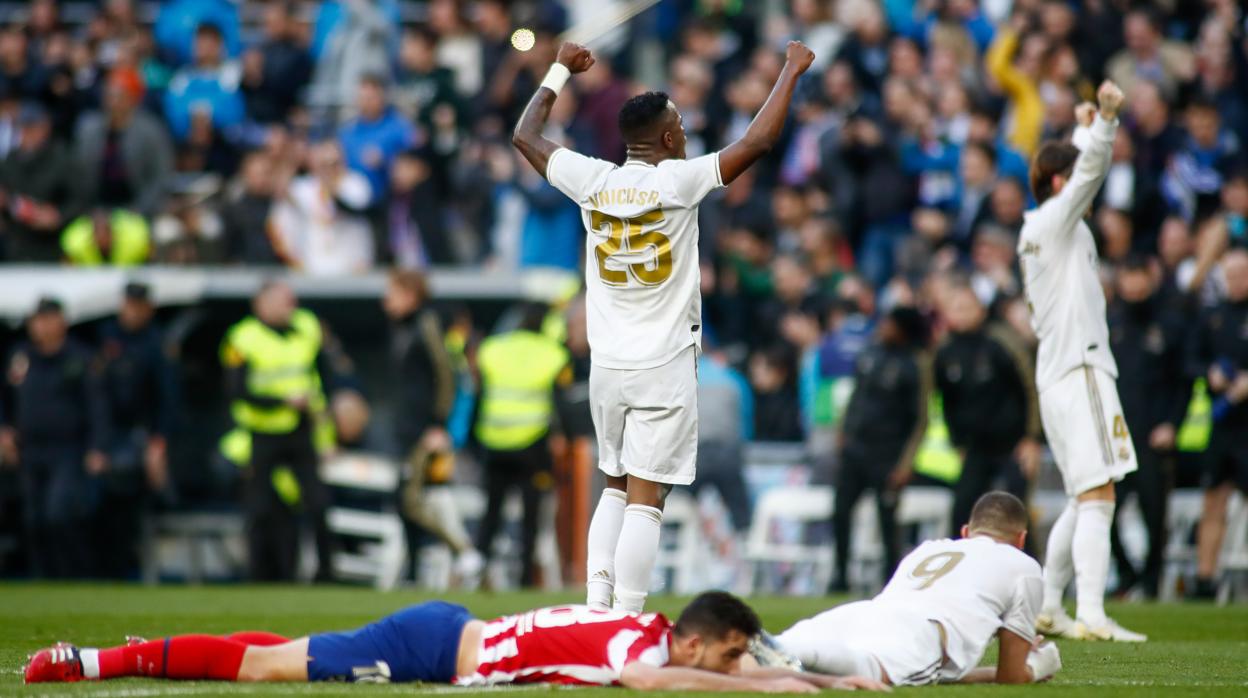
(630,236)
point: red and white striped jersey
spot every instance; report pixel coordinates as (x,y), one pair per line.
(568,645)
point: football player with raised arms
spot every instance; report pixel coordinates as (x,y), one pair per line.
(945,603)
(643,303)
(1075,368)
(439,642)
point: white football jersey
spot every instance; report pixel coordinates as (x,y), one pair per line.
(1058,259)
(973,587)
(643,300)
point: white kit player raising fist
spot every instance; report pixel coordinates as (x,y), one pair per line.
(643,303)
(1075,370)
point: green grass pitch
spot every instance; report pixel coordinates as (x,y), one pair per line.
(1196,649)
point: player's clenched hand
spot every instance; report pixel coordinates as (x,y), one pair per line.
(1084,113)
(1109,97)
(575,57)
(799,56)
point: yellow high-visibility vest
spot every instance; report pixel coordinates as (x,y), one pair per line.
(1194,433)
(518,374)
(132,242)
(936,456)
(279,365)
(236,447)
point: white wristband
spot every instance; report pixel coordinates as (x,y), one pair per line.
(556,77)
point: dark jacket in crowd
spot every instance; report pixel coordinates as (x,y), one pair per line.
(45,176)
(138,380)
(248,238)
(887,412)
(144,152)
(58,399)
(287,68)
(1148,340)
(1222,337)
(988,390)
(421,375)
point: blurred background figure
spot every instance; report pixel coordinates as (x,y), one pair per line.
(118,238)
(56,430)
(424,391)
(274,364)
(884,423)
(321,218)
(984,375)
(141,404)
(37,188)
(519,372)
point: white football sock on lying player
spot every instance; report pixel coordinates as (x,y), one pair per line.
(604,538)
(635,555)
(1058,566)
(1090,552)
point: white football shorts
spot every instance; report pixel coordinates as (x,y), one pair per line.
(1086,430)
(860,638)
(647,419)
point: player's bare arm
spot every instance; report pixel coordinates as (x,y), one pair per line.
(765,129)
(1018,661)
(527,137)
(750,668)
(643,677)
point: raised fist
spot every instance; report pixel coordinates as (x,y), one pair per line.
(1109,97)
(1084,113)
(799,56)
(575,57)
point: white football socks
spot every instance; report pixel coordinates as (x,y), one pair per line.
(1058,566)
(604,538)
(635,555)
(90,659)
(1090,552)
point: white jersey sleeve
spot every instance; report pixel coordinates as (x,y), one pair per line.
(694,179)
(1020,616)
(574,174)
(1096,145)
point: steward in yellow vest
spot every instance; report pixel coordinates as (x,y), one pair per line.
(274,383)
(119,238)
(519,372)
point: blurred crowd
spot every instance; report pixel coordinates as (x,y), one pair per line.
(865,266)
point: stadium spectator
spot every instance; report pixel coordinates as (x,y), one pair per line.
(1147,334)
(179,22)
(884,422)
(772,378)
(422,87)
(124,154)
(725,425)
(415,230)
(206,92)
(57,433)
(321,218)
(1149,56)
(113,238)
(1193,179)
(37,182)
(377,134)
(1219,352)
(249,234)
(141,398)
(352,41)
(276,70)
(985,376)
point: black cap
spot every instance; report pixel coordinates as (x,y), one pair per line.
(138,291)
(48,304)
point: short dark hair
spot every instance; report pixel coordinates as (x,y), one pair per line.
(533,315)
(205,28)
(714,614)
(1053,158)
(986,149)
(641,114)
(999,513)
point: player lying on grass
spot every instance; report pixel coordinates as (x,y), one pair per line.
(442,643)
(940,610)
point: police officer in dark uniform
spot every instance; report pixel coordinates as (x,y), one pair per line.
(1147,336)
(987,384)
(884,424)
(1219,352)
(139,389)
(58,436)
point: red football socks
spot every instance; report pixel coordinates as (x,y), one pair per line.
(183,657)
